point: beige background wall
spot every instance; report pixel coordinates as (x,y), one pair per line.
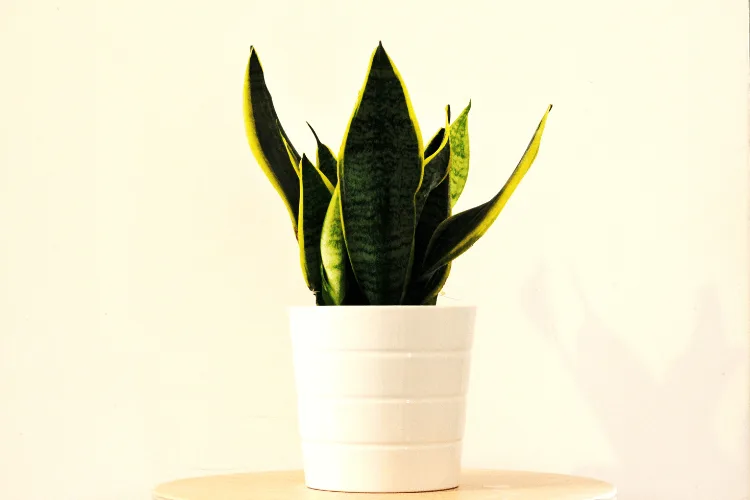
(145,263)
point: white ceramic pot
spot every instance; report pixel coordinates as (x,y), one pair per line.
(381,394)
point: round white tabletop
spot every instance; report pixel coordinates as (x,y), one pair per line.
(475,485)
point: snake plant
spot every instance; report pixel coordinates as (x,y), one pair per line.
(374,222)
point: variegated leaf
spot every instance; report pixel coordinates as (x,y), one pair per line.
(380,169)
(459,141)
(436,168)
(334,260)
(266,137)
(458,233)
(325,160)
(315,197)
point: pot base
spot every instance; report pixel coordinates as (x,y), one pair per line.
(393,492)
(382,468)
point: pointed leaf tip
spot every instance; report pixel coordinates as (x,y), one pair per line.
(380,57)
(254,64)
(253,53)
(313,131)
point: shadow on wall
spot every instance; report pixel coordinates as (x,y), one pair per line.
(663,433)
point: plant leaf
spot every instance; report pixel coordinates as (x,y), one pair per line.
(333,257)
(436,210)
(437,139)
(315,196)
(458,233)
(434,284)
(434,143)
(266,137)
(459,141)
(436,168)
(325,160)
(290,151)
(380,169)
(425,289)
(328,295)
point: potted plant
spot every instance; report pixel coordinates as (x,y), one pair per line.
(381,382)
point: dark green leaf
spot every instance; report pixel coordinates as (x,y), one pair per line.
(266,137)
(434,143)
(315,196)
(425,289)
(325,160)
(434,284)
(436,210)
(380,169)
(436,168)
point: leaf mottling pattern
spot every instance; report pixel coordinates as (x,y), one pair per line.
(380,170)
(459,143)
